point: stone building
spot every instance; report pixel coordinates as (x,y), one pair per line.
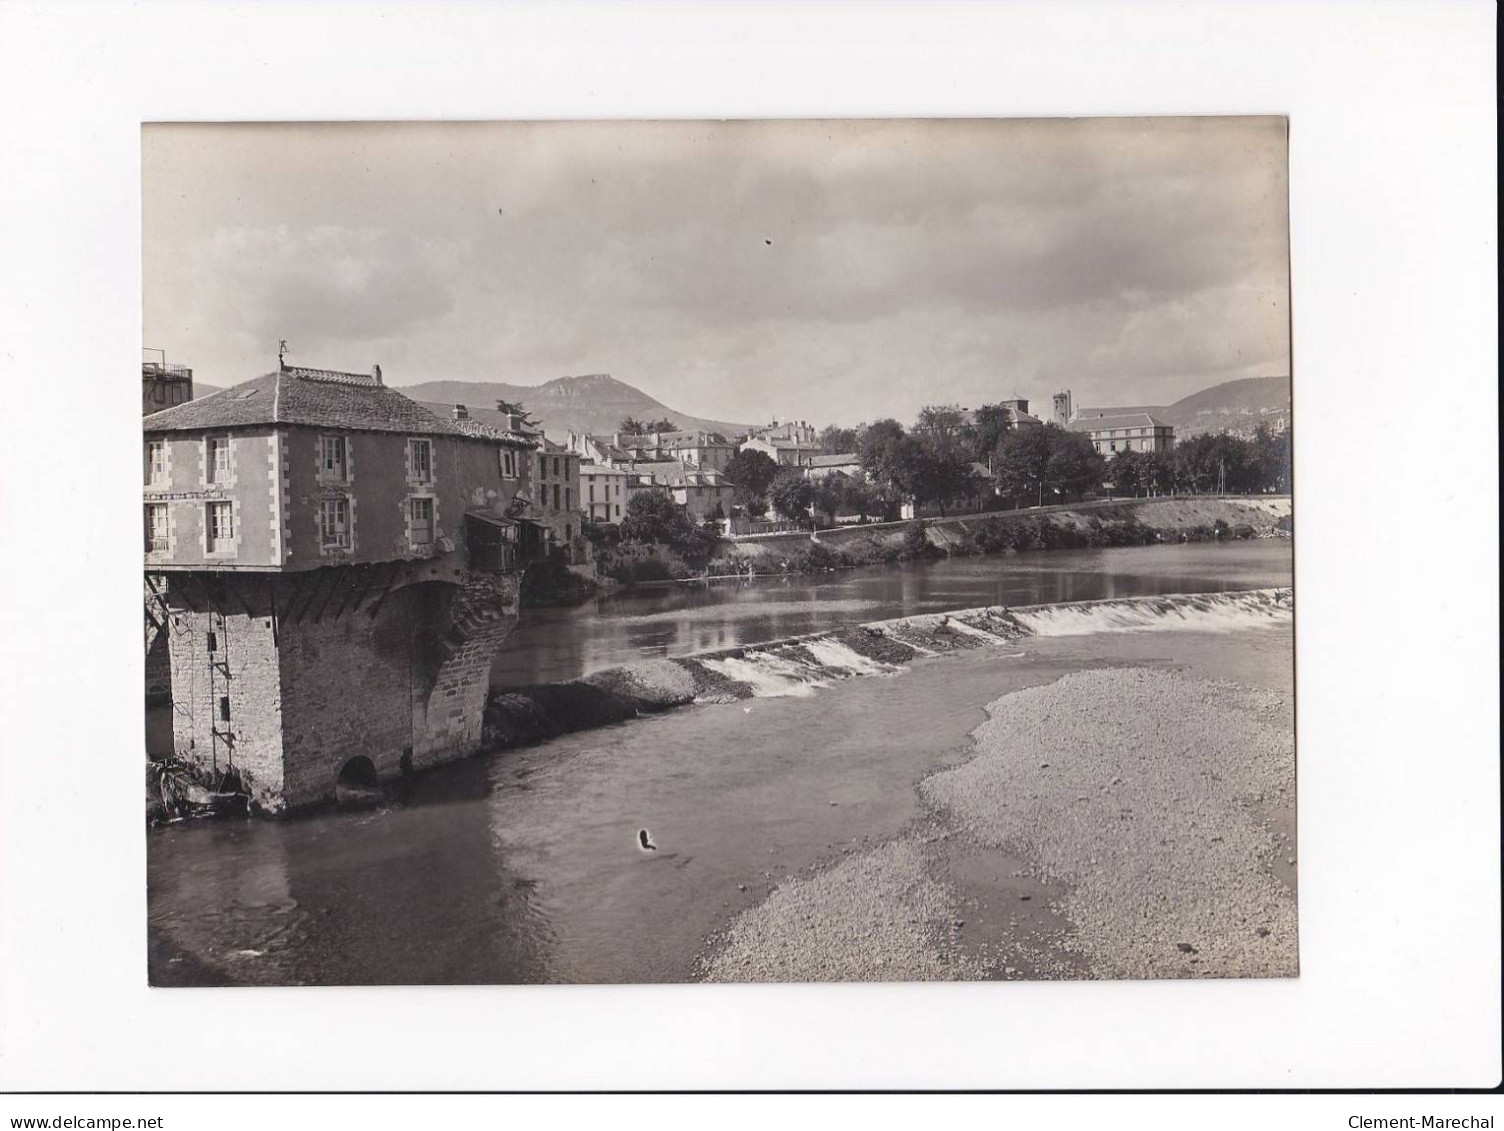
(163,385)
(1128,430)
(701,491)
(604,490)
(333,567)
(783,450)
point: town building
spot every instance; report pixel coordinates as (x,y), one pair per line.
(824,465)
(798,430)
(1017,412)
(604,491)
(553,498)
(333,567)
(785,451)
(1062,409)
(164,385)
(706,449)
(701,491)
(1129,430)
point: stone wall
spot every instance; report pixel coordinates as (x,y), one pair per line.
(405,689)
(246,645)
(447,719)
(347,691)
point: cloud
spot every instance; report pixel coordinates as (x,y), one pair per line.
(812,269)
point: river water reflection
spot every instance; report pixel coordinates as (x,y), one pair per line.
(551,645)
(523,866)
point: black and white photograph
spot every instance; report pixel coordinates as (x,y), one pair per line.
(932,560)
(718,551)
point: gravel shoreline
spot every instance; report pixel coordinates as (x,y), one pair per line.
(1139,806)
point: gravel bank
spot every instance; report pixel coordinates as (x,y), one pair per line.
(1113,824)
(874,917)
(1146,794)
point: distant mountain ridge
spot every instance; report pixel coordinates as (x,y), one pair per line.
(1238,407)
(595,402)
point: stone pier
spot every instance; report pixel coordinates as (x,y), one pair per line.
(292,684)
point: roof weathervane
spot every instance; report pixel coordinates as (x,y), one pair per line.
(281,352)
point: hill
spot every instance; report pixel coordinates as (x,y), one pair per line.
(1234,406)
(592,403)
(1238,407)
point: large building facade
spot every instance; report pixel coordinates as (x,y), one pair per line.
(333,567)
(1128,431)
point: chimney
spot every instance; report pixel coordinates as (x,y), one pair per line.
(461,412)
(376,373)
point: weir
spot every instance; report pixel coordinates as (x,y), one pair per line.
(801,666)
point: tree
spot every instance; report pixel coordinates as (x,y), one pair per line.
(515,408)
(1074,466)
(750,474)
(943,427)
(1022,464)
(940,477)
(993,421)
(653,516)
(791,494)
(880,447)
(837,441)
(662,424)
(1130,472)
(631,426)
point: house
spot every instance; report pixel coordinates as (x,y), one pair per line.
(553,498)
(823,465)
(784,451)
(163,385)
(706,449)
(332,567)
(702,491)
(604,491)
(1130,430)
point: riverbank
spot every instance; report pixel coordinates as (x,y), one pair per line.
(1119,823)
(525,865)
(801,665)
(1088,525)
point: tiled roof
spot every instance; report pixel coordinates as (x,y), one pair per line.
(1116,410)
(678,473)
(840,460)
(317,398)
(484,422)
(1126,420)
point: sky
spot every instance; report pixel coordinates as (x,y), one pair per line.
(829,271)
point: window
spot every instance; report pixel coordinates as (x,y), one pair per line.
(592,492)
(556,496)
(420,460)
(618,510)
(217,459)
(568,500)
(508,464)
(334,524)
(156,462)
(156,527)
(556,467)
(220,526)
(420,521)
(332,458)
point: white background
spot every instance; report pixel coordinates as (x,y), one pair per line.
(1394,250)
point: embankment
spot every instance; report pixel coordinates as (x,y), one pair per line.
(800,666)
(1115,522)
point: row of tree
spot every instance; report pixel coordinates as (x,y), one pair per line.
(1205,463)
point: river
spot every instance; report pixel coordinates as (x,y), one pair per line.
(523,866)
(551,645)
